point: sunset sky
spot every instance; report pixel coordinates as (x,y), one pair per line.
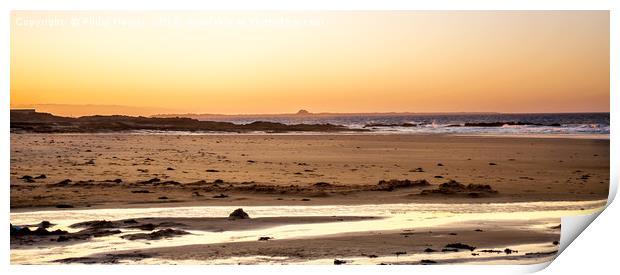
(279,62)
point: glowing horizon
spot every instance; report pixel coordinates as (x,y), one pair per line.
(337,62)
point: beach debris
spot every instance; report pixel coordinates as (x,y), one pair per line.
(440,164)
(460,246)
(417,170)
(162,198)
(339,262)
(62,183)
(220,196)
(170,169)
(398,253)
(453,187)
(322,184)
(140,191)
(556,242)
(490,251)
(395,184)
(265,238)
(212,171)
(218,181)
(153,180)
(40,177)
(492,163)
(64,206)
(114,180)
(510,251)
(425,262)
(238,214)
(429,250)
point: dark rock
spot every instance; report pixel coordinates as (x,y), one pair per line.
(98,224)
(395,184)
(170,169)
(460,246)
(157,235)
(417,170)
(218,181)
(220,196)
(238,214)
(212,170)
(42,176)
(62,183)
(510,251)
(322,185)
(153,180)
(425,262)
(62,239)
(264,238)
(140,191)
(429,250)
(339,262)
(490,251)
(64,206)
(163,198)
(146,227)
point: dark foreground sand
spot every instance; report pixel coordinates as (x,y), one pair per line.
(121,170)
(384,245)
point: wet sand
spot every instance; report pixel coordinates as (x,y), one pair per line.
(123,170)
(488,241)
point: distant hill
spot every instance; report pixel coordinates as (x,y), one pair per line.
(32,121)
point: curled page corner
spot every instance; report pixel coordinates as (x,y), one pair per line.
(573,226)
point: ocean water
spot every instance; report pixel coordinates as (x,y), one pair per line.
(587,124)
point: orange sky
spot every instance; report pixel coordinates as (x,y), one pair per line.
(279,62)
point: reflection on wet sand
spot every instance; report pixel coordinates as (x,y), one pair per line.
(402,230)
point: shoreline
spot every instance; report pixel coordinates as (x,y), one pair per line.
(341,133)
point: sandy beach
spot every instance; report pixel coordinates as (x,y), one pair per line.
(507,194)
(125,170)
